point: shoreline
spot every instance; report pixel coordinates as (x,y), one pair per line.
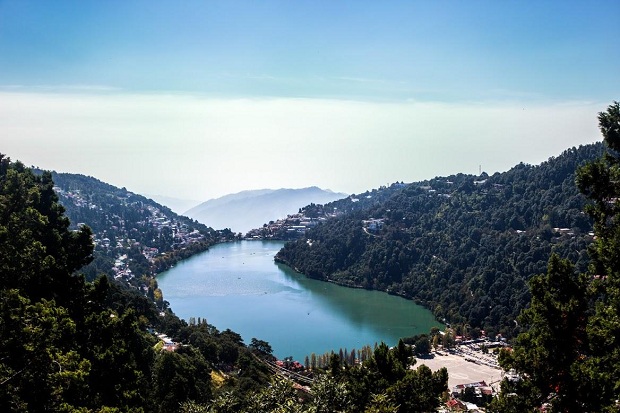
(341,284)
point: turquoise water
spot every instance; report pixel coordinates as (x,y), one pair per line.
(239,286)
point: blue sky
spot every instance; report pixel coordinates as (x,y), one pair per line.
(344,79)
(444,50)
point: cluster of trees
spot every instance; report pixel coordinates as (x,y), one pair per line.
(383,383)
(423,343)
(346,357)
(464,246)
(568,357)
(420,344)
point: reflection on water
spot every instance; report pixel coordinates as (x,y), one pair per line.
(239,286)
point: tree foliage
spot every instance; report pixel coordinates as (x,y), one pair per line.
(569,356)
(383,383)
(36,247)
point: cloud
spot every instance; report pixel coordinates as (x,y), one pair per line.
(196,147)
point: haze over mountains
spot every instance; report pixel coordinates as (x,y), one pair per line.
(177,205)
(246,210)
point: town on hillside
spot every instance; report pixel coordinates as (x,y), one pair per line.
(134,238)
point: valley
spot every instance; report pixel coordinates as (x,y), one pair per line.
(309,207)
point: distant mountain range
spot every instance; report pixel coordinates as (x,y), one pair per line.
(246,210)
(176,205)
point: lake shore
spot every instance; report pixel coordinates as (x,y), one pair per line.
(238,286)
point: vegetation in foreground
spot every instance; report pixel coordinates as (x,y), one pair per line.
(70,345)
(568,358)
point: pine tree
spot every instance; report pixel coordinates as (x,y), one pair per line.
(600,181)
(548,353)
(569,358)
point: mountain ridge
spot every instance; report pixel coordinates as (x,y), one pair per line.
(246,210)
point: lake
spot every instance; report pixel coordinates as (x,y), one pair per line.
(239,286)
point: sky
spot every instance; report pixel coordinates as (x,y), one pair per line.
(199,99)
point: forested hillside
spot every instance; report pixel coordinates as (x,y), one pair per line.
(295,225)
(462,245)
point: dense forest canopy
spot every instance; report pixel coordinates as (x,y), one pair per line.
(462,245)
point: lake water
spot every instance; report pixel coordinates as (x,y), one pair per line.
(239,286)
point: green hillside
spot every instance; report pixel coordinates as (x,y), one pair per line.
(462,245)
